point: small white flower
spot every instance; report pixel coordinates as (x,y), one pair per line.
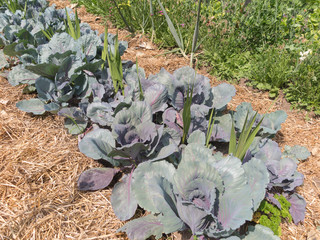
(302,58)
(304,54)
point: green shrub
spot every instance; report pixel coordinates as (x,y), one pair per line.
(271,70)
(303,90)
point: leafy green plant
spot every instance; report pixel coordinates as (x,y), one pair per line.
(122,17)
(105,48)
(152,20)
(115,64)
(247,135)
(143,19)
(48,33)
(303,89)
(177,38)
(195,35)
(272,216)
(186,115)
(271,71)
(12,5)
(98,7)
(73,30)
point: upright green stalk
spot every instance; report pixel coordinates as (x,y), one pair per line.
(210,127)
(141,97)
(48,33)
(152,21)
(195,35)
(105,48)
(115,65)
(246,137)
(186,115)
(179,40)
(74,31)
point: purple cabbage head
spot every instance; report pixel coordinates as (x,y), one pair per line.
(212,196)
(283,173)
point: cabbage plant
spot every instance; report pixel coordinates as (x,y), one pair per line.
(143,134)
(211,195)
(283,174)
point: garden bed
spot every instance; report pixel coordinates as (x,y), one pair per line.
(38,181)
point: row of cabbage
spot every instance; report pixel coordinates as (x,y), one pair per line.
(166,134)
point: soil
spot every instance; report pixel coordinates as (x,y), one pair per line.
(40,162)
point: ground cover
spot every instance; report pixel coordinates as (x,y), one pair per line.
(142,53)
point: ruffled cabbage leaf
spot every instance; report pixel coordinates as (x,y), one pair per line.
(211,196)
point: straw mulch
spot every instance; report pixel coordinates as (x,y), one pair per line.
(40,162)
(39,167)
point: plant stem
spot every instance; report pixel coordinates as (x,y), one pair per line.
(195,35)
(210,127)
(152,22)
(124,20)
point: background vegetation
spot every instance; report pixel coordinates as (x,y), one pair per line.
(274,44)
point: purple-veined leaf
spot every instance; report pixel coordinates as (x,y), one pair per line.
(20,75)
(59,43)
(98,90)
(178,99)
(282,170)
(123,202)
(222,128)
(157,96)
(271,124)
(149,181)
(89,44)
(143,227)
(298,207)
(297,180)
(52,107)
(296,152)
(235,209)
(153,190)
(72,112)
(270,197)
(34,105)
(45,88)
(258,179)
(96,178)
(101,113)
(169,117)
(98,144)
(222,94)
(268,150)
